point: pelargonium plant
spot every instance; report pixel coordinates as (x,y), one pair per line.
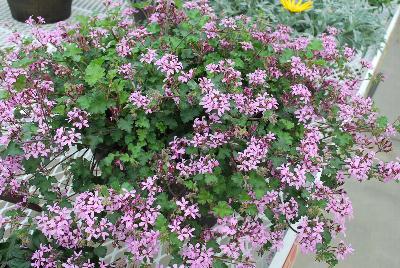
(205,138)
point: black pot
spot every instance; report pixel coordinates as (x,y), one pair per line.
(51,10)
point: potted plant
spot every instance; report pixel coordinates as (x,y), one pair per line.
(50,10)
(202,138)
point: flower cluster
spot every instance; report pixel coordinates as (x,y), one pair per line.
(187,132)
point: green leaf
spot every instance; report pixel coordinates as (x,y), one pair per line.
(2,231)
(258,183)
(286,55)
(285,140)
(188,114)
(342,139)
(237,179)
(72,51)
(93,140)
(140,4)
(31,164)
(252,210)
(116,135)
(99,103)
(4,94)
(286,124)
(204,197)
(161,224)
(23,62)
(143,122)
(20,83)
(315,44)
(187,53)
(382,122)
(210,179)
(223,209)
(84,101)
(219,264)
(38,238)
(125,124)
(165,203)
(94,71)
(100,251)
(13,149)
(126,185)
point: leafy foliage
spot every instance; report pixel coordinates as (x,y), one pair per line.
(361,25)
(188,131)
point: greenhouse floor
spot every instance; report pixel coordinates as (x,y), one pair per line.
(374,232)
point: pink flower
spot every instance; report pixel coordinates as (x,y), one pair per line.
(87,205)
(297,178)
(140,101)
(202,166)
(35,149)
(177,147)
(126,70)
(123,48)
(231,250)
(149,57)
(145,246)
(198,256)
(185,233)
(255,153)
(366,64)
(211,30)
(305,114)
(360,166)
(2,221)
(185,77)
(226,67)
(58,225)
(43,258)
(246,46)
(310,234)
(342,251)
(182,204)
(213,100)
(257,78)
(78,118)
(65,137)
(329,47)
(298,67)
(302,92)
(290,209)
(169,64)
(192,211)
(349,53)
(340,206)
(229,23)
(389,171)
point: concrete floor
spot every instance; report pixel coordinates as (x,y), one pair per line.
(374,232)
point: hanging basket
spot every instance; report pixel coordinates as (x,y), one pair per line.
(51,10)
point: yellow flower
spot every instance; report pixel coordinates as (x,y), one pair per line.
(297,5)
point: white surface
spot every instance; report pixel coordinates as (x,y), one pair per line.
(280,257)
(363,91)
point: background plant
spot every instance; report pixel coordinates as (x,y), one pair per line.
(380,3)
(182,131)
(361,25)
